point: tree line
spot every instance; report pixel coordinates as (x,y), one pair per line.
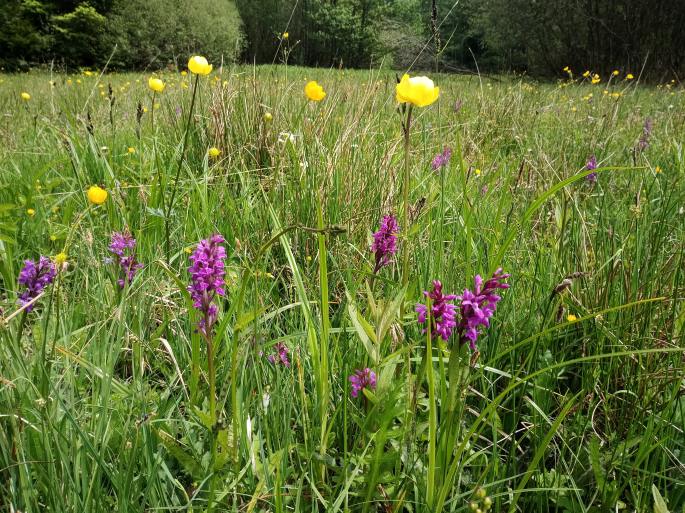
(539,37)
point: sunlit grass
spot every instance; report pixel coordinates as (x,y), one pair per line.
(573,403)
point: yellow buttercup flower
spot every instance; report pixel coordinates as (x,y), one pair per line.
(214,152)
(199,65)
(629,76)
(596,79)
(419,91)
(155,84)
(88,73)
(615,73)
(286,35)
(657,169)
(131,150)
(25,96)
(30,212)
(571,318)
(184,73)
(97,195)
(60,258)
(314,91)
(268,118)
(586,74)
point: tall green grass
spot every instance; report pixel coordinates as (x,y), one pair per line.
(104,392)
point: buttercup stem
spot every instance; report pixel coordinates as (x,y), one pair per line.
(178,173)
(405,194)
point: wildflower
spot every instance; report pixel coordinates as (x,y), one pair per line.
(419,91)
(156,84)
(361,379)
(123,246)
(214,152)
(615,73)
(479,305)
(441,159)
(286,35)
(385,242)
(60,258)
(571,318)
(657,169)
(25,96)
(629,76)
(281,353)
(97,195)
(591,165)
(596,79)
(643,142)
(30,212)
(207,279)
(586,73)
(314,91)
(442,312)
(35,276)
(199,65)
(88,73)
(268,117)
(53,237)
(131,150)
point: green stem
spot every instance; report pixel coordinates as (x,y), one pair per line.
(405,197)
(432,414)
(178,175)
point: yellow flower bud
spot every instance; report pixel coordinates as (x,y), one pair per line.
(25,96)
(286,35)
(419,91)
(314,91)
(131,150)
(268,117)
(199,65)
(97,195)
(571,318)
(60,258)
(155,84)
(214,152)
(629,76)
(30,212)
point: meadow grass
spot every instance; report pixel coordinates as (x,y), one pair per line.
(104,391)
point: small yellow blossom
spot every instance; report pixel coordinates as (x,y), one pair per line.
(199,65)
(657,169)
(629,76)
(615,73)
(478,172)
(184,73)
(586,74)
(97,195)
(268,117)
(78,80)
(596,79)
(60,258)
(131,150)
(88,73)
(69,81)
(314,91)
(25,96)
(31,212)
(571,318)
(214,152)
(155,84)
(419,91)
(53,237)
(286,35)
